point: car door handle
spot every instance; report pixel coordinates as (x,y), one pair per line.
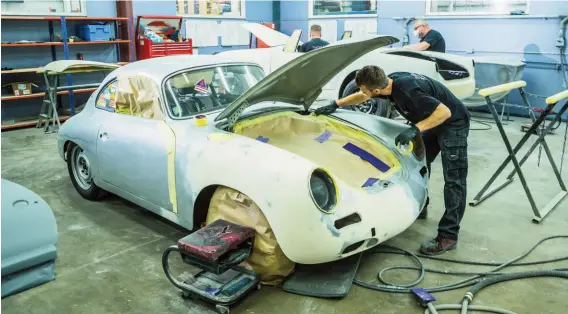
(103,135)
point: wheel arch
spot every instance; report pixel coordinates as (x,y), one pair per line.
(203,200)
(348,78)
(66,147)
(201,205)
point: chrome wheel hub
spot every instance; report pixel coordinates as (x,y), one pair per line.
(81,168)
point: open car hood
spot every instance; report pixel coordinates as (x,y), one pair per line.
(299,82)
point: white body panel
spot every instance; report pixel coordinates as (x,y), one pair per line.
(273,58)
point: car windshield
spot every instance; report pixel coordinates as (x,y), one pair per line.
(198,91)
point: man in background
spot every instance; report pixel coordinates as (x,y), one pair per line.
(315,40)
(430,40)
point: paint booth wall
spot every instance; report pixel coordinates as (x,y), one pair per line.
(529,40)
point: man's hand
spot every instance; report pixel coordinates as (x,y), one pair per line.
(327,109)
(407,135)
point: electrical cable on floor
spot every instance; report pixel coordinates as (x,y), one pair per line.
(478,280)
(489,127)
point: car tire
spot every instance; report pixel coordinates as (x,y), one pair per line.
(78,166)
(379,107)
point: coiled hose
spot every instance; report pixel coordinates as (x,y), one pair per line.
(478,280)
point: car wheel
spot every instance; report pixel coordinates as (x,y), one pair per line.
(375,106)
(79,168)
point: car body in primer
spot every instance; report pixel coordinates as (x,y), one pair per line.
(322,201)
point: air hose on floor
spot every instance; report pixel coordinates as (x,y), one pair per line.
(478,280)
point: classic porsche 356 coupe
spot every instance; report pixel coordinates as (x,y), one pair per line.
(164,133)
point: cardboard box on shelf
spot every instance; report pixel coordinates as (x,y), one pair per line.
(21,88)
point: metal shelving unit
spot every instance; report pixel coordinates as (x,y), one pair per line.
(65,43)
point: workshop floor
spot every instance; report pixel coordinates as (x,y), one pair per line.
(110,252)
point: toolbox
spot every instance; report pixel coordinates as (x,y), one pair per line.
(160,36)
(216,249)
(94,32)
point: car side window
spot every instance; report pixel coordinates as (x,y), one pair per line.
(106,100)
(138,95)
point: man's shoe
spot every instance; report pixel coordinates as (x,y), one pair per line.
(423,213)
(438,246)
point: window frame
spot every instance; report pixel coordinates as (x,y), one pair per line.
(242,15)
(428,12)
(66,3)
(166,105)
(311,14)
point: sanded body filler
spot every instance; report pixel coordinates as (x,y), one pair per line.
(326,142)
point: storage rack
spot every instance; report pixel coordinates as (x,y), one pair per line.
(65,43)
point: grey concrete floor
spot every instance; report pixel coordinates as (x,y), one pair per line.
(110,251)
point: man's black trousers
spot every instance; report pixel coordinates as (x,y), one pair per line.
(451,141)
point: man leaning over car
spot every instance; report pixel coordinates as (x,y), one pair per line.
(433,110)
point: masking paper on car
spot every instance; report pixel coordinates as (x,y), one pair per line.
(138,95)
(324,141)
(267,258)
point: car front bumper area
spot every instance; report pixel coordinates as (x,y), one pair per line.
(361,220)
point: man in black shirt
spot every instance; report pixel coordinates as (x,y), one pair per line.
(433,110)
(430,40)
(316,41)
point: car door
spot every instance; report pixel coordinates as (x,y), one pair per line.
(135,146)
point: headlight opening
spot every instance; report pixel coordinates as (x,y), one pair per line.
(323,191)
(419,148)
(406,149)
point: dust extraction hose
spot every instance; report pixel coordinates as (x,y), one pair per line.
(478,281)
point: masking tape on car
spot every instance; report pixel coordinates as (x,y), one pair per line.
(262,139)
(220,137)
(409,149)
(169,137)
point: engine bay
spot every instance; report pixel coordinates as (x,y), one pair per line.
(352,155)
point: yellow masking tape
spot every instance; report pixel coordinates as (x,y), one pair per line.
(407,152)
(169,140)
(201,120)
(333,126)
(557,97)
(220,137)
(501,88)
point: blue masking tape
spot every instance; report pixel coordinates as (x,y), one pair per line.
(369,182)
(323,137)
(262,139)
(365,155)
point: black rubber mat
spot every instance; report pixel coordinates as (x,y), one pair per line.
(329,280)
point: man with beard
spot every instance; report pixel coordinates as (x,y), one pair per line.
(430,40)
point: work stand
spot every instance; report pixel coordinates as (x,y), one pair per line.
(48,113)
(539,214)
(52,72)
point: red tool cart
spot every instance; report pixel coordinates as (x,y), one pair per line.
(159,36)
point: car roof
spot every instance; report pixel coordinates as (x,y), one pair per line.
(161,67)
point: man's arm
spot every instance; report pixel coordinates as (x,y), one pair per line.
(440,114)
(353,99)
(419,46)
